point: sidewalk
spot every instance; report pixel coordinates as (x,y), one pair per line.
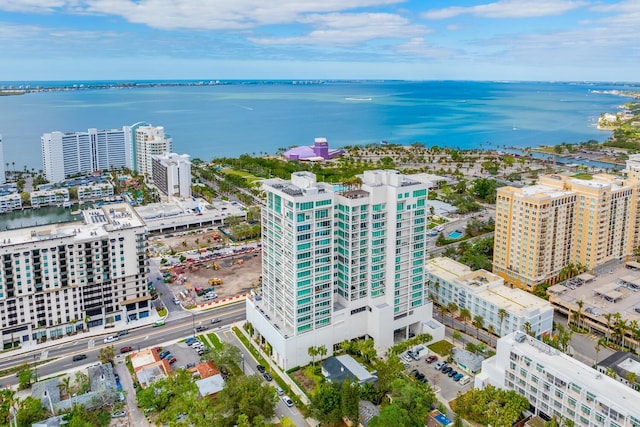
(94,331)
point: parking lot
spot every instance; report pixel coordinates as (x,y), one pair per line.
(445,386)
(184,355)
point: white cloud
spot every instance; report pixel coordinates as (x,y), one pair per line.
(221,14)
(507,9)
(34,6)
(349,29)
(419,47)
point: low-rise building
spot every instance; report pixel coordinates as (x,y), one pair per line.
(57,197)
(339,368)
(148,367)
(10,202)
(485,294)
(95,191)
(558,385)
(623,366)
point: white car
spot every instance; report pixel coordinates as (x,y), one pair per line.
(110,338)
(287,401)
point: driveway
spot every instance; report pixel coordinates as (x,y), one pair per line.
(134,417)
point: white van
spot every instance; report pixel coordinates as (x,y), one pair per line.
(465,380)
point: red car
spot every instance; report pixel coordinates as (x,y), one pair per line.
(431,358)
(172,360)
(126,349)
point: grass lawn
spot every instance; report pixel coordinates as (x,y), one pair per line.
(441,347)
(215,341)
(585,176)
(246,175)
(307,379)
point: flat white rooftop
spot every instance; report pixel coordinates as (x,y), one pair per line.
(540,190)
(96,222)
(609,391)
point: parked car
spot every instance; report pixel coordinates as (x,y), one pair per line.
(267,376)
(122,333)
(110,338)
(465,380)
(279,391)
(201,328)
(452,373)
(119,414)
(406,357)
(458,377)
(447,369)
(432,358)
(261,369)
(158,323)
(191,365)
(439,365)
(167,356)
(287,401)
(190,340)
(172,360)
(79,357)
(126,349)
(164,354)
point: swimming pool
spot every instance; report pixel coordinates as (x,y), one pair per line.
(455,234)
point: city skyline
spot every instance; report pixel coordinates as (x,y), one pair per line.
(357,39)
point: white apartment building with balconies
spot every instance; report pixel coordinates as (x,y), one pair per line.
(485,294)
(60,278)
(95,191)
(558,385)
(54,197)
(342,264)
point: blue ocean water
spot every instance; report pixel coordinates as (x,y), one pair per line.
(231,119)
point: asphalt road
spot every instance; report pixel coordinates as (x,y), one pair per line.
(146,337)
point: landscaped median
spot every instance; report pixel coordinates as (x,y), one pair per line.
(295,393)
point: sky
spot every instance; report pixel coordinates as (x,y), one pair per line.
(562,40)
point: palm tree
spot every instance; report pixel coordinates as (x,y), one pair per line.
(452,307)
(528,329)
(478,323)
(502,313)
(608,317)
(578,317)
(598,347)
(465,315)
(491,330)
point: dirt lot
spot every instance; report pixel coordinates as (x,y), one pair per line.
(186,241)
(239,273)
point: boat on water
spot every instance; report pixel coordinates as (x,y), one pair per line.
(514,127)
(358,99)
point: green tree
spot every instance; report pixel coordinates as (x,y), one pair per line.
(366,349)
(391,416)
(24,375)
(492,405)
(502,313)
(414,397)
(388,370)
(247,395)
(312,351)
(350,400)
(326,404)
(465,316)
(7,401)
(30,410)
(478,323)
(226,357)
(107,354)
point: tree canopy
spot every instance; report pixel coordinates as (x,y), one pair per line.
(492,405)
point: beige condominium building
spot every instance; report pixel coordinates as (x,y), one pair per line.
(542,228)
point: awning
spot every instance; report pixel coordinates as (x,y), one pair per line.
(586,277)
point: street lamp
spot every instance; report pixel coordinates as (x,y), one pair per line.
(242,355)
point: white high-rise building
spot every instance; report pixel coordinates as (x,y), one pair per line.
(172,174)
(2,169)
(148,141)
(558,385)
(67,154)
(59,278)
(342,264)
